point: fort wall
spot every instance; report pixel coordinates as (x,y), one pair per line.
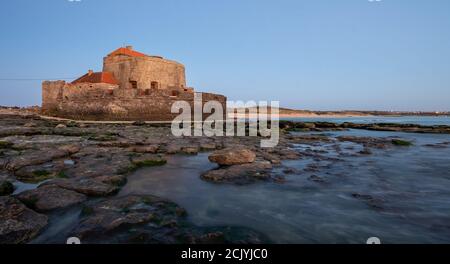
(99,101)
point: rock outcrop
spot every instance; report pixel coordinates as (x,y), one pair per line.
(47,198)
(232,156)
(18,224)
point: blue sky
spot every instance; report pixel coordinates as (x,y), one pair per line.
(308,54)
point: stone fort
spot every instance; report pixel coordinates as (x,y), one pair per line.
(132,86)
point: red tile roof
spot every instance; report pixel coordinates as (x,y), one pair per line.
(97,77)
(127,51)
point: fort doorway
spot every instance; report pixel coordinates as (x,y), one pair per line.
(154,85)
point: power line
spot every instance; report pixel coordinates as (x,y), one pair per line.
(34,79)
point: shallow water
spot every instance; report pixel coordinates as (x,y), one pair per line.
(411,185)
(419,120)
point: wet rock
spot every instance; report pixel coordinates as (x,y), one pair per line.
(106,138)
(40,173)
(232,156)
(72,124)
(151,220)
(190,150)
(208,146)
(148,160)
(173,149)
(313,167)
(116,180)
(18,224)
(41,156)
(145,149)
(19,131)
(365,151)
(400,142)
(297,126)
(89,187)
(306,125)
(317,179)
(47,198)
(139,123)
(6,188)
(5,144)
(240,174)
(290,171)
(111,216)
(409,128)
(115,144)
(289,154)
(70,149)
(369,200)
(307,139)
(437,146)
(367,142)
(273,158)
(94,161)
(30,124)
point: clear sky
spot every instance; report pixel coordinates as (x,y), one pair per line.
(308,54)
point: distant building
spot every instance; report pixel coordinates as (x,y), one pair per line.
(132,86)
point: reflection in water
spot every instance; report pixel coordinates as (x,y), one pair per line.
(404,190)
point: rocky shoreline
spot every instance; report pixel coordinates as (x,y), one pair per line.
(80,164)
(390,127)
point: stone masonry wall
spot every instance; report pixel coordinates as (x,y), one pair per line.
(101,101)
(144,71)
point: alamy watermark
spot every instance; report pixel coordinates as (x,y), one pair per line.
(239,119)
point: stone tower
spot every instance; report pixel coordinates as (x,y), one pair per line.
(135,70)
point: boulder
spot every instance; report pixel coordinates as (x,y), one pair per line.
(61,126)
(240,174)
(18,224)
(233,156)
(47,198)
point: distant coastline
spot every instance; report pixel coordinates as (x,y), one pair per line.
(291,113)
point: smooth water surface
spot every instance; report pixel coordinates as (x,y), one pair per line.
(411,187)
